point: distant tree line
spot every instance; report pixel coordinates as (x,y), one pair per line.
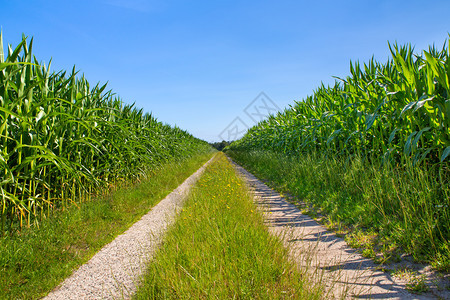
(220,145)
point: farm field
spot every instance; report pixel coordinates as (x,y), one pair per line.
(35,261)
(63,140)
(368,157)
(77,167)
(332,195)
(371,152)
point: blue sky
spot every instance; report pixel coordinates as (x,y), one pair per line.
(198,64)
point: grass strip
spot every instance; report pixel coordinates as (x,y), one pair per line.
(219,248)
(35,260)
(384,211)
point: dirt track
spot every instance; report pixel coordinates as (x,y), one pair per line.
(114,272)
(328,257)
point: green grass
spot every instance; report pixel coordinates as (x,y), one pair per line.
(219,248)
(385,211)
(35,260)
(415,283)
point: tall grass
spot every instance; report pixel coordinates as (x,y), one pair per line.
(394,117)
(62,140)
(398,210)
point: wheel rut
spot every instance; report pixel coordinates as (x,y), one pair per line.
(114,272)
(321,253)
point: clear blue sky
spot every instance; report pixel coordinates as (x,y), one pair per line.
(198,64)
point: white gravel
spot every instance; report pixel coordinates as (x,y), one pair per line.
(114,272)
(327,257)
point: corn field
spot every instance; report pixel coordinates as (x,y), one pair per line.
(61,140)
(390,120)
(395,112)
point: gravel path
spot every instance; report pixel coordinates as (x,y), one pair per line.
(115,270)
(329,259)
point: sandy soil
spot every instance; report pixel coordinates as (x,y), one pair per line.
(114,272)
(327,257)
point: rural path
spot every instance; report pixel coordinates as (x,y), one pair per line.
(114,272)
(327,257)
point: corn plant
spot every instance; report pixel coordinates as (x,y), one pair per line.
(61,140)
(398,111)
(395,116)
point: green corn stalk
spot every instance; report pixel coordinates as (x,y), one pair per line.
(397,112)
(62,140)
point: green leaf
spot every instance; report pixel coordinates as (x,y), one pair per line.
(445,153)
(4,65)
(424,155)
(406,70)
(370,121)
(392,135)
(408,107)
(333,135)
(407,148)
(416,139)
(421,103)
(431,61)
